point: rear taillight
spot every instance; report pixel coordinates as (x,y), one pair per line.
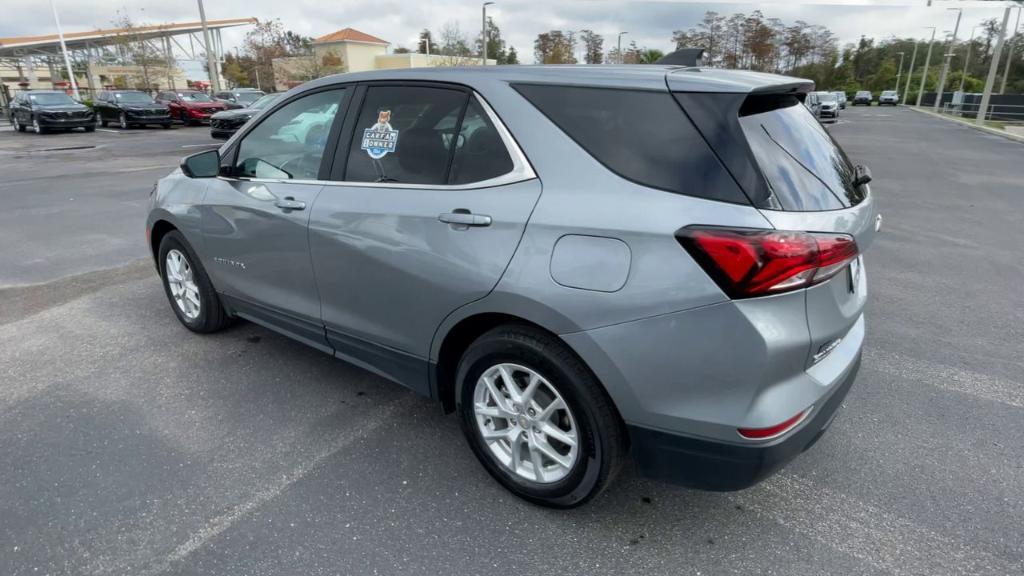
(747,263)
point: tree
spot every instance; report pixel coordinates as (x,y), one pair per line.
(650,55)
(593,47)
(401,50)
(512,57)
(313,67)
(233,71)
(137,50)
(555,47)
(454,49)
(268,40)
(426,42)
(495,45)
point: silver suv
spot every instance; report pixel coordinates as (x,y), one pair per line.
(588,264)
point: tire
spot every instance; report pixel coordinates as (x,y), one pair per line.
(184,118)
(589,417)
(37,127)
(90,128)
(166,125)
(210,316)
(18,125)
(122,121)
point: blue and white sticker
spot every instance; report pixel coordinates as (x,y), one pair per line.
(380,138)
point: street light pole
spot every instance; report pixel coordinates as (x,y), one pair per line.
(945,61)
(927,60)
(899,73)
(211,58)
(1009,57)
(967,59)
(910,73)
(64,49)
(620,47)
(992,69)
(483,33)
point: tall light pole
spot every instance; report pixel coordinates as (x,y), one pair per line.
(620,46)
(927,59)
(483,33)
(910,73)
(64,49)
(945,61)
(1009,57)
(211,58)
(899,73)
(967,59)
(992,69)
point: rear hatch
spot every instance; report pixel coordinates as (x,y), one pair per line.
(798,177)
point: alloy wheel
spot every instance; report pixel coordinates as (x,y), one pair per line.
(17,125)
(525,423)
(123,121)
(182,284)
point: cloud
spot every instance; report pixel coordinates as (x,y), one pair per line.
(649,23)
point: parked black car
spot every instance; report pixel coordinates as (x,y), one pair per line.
(128,108)
(862,97)
(239,97)
(45,110)
(224,124)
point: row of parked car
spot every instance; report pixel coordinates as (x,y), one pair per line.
(52,110)
(828,104)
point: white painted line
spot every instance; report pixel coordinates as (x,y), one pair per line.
(201,145)
(866,532)
(946,377)
(108,130)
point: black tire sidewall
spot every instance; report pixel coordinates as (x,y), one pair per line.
(582,481)
(207,297)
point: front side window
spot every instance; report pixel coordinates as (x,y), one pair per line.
(289,144)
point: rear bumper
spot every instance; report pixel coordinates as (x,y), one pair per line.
(720,466)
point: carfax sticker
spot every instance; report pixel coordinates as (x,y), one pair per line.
(380,138)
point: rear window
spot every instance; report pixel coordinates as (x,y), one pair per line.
(642,136)
(805,169)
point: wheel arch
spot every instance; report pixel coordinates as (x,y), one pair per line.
(157,231)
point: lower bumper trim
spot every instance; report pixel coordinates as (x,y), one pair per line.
(718,466)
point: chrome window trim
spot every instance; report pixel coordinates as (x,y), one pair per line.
(521,168)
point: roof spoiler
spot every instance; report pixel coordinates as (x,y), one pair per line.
(691,57)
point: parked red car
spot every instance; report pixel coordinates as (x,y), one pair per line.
(190,106)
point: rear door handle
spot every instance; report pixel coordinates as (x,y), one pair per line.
(464,218)
(289,203)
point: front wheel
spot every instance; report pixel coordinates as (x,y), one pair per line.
(36,127)
(18,125)
(122,121)
(536,417)
(188,288)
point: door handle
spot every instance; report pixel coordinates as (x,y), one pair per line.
(289,203)
(462,219)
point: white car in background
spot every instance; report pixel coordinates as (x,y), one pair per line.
(889,97)
(841,97)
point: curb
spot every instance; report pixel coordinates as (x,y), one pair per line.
(995,131)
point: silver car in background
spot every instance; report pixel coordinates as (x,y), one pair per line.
(589,265)
(890,97)
(828,105)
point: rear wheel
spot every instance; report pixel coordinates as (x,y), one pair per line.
(188,287)
(537,419)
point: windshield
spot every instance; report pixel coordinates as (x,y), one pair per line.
(247,97)
(51,98)
(194,97)
(889,93)
(133,98)
(264,101)
(827,97)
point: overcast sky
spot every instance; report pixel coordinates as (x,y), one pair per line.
(650,23)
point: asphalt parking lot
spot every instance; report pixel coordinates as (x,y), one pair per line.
(130,446)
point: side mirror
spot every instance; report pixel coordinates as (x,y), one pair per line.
(861,175)
(202,165)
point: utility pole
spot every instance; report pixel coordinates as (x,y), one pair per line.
(992,69)
(967,59)
(945,60)
(1009,57)
(927,59)
(899,73)
(620,47)
(483,34)
(64,49)
(211,58)
(910,73)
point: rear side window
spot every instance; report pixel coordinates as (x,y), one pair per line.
(805,169)
(642,136)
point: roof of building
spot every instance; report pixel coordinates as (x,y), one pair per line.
(77,40)
(350,35)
